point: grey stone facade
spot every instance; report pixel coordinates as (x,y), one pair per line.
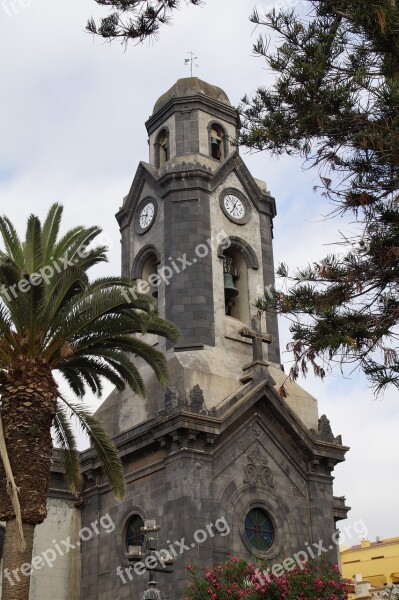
(220,440)
(189,470)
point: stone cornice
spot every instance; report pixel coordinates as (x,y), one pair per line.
(195,102)
(196,432)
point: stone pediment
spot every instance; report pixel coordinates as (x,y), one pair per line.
(262,200)
(278,422)
(144,174)
(264,458)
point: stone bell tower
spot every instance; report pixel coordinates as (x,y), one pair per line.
(195,214)
(217,459)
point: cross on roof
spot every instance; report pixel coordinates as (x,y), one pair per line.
(258,338)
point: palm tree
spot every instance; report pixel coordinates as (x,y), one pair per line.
(54,320)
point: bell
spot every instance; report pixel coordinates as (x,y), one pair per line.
(229,290)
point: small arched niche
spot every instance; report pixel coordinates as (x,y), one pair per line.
(237,257)
(145,271)
(218,140)
(162,147)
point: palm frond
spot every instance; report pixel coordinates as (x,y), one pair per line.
(50,231)
(104,446)
(74,381)
(86,259)
(123,365)
(33,245)
(88,310)
(11,241)
(155,324)
(88,366)
(63,288)
(155,359)
(75,245)
(67,442)
(17,303)
(62,245)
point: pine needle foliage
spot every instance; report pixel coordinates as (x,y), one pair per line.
(134,20)
(335,102)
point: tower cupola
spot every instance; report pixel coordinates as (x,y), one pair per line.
(193,118)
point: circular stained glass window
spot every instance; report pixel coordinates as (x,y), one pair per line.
(134,535)
(259,529)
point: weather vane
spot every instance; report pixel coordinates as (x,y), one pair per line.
(190,61)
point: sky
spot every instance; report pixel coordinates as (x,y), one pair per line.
(72,113)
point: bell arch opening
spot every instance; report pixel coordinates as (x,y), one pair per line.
(238,257)
(145,271)
(218,140)
(162,148)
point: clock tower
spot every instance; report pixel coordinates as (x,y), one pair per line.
(197,234)
(222,463)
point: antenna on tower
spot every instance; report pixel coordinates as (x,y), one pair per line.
(190,61)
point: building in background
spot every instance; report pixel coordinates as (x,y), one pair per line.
(377,562)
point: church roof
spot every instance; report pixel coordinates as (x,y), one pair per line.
(191,86)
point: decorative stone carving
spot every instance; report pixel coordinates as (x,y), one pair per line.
(197,402)
(257,470)
(170,402)
(173,399)
(182,401)
(170,399)
(324,429)
(257,431)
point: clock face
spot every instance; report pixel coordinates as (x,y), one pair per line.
(234,206)
(147,215)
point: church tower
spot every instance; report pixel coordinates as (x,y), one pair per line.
(194,209)
(218,458)
(196,233)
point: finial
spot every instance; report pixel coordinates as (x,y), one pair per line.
(190,61)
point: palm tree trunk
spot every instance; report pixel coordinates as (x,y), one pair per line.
(16,583)
(28,404)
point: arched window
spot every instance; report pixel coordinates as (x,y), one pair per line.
(150,274)
(145,271)
(217,141)
(235,285)
(238,257)
(134,535)
(162,151)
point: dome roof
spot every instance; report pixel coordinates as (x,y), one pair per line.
(190,86)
